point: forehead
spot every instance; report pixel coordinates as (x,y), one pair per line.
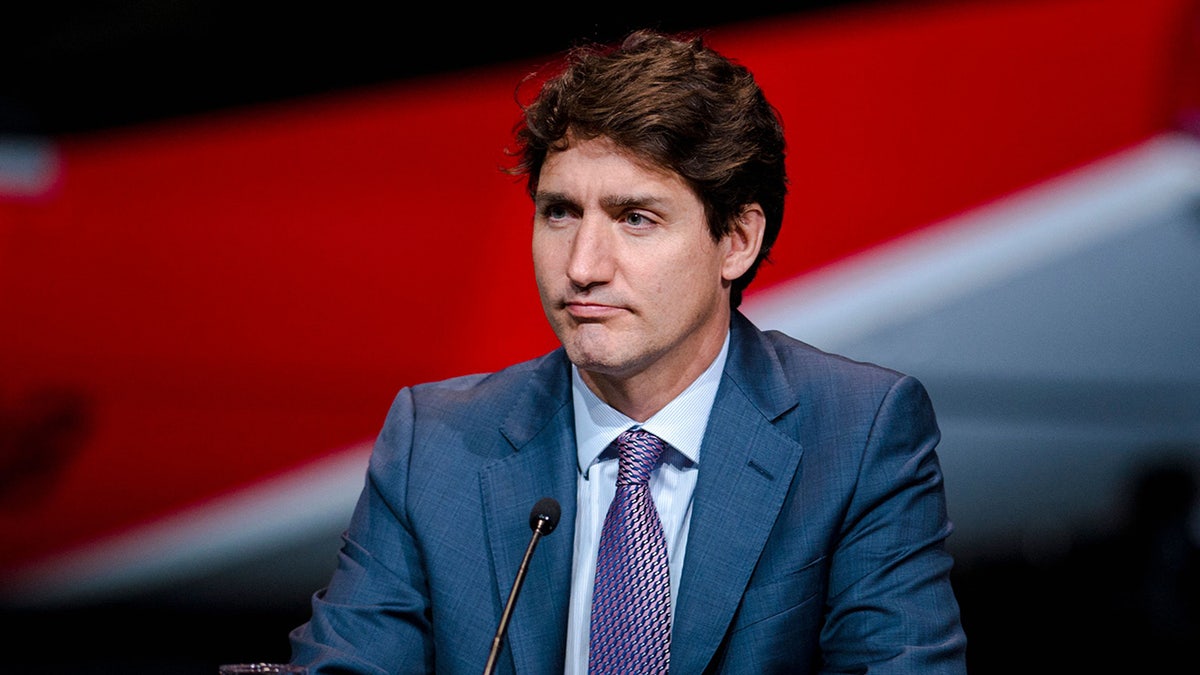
(602,161)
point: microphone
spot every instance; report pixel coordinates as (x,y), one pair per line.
(542,520)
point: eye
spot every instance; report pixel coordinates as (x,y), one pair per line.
(555,212)
(638,220)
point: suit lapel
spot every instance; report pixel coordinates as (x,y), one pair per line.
(746,468)
(543,464)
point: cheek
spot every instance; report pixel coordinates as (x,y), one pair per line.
(700,265)
(680,281)
(543,257)
(550,245)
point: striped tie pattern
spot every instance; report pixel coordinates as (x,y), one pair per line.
(631,603)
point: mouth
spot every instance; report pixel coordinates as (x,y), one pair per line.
(590,311)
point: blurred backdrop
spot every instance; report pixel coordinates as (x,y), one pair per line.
(230,232)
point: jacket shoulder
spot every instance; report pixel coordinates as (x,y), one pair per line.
(478,396)
(800,359)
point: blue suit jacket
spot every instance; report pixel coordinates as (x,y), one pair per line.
(816,540)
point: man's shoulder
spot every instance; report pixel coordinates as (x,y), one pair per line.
(488,386)
(801,361)
(779,373)
(797,354)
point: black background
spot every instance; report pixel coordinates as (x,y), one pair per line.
(78,67)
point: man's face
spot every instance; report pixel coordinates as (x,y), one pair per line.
(629,276)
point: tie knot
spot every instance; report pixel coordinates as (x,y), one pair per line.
(638,452)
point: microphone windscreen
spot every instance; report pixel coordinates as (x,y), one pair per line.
(545,511)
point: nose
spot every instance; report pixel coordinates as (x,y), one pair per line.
(591,261)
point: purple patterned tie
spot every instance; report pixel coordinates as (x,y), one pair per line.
(631,604)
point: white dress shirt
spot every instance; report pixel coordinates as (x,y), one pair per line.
(681,425)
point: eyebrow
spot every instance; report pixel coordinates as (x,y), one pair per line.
(544,198)
(607,202)
(625,201)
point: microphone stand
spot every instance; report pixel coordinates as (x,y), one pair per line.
(543,522)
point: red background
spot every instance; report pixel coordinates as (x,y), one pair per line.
(234,295)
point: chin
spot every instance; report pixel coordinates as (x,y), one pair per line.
(600,349)
(587,361)
(592,360)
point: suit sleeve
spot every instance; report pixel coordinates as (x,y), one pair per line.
(891,608)
(373,617)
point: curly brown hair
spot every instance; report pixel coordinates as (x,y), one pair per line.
(674,101)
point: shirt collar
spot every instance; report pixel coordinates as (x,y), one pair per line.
(680,423)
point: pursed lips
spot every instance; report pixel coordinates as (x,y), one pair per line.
(591,311)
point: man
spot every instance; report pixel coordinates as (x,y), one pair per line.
(799,497)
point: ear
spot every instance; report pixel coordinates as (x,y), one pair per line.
(743,241)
